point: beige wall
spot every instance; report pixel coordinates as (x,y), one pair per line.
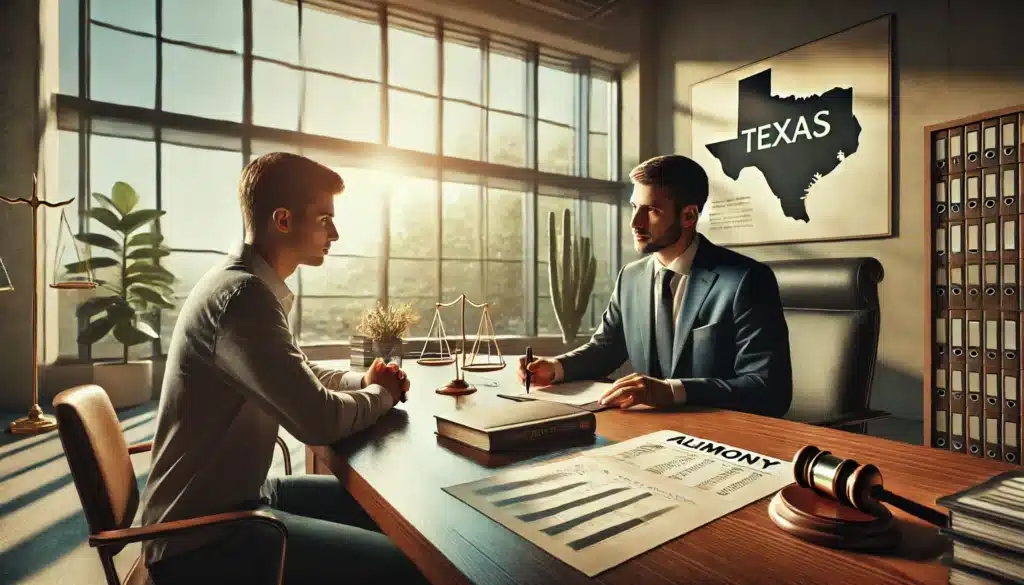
(18,66)
(952,60)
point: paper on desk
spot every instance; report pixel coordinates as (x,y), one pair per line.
(575,393)
(607,505)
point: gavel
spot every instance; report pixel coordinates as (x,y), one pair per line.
(855,485)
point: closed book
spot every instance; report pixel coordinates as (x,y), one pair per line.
(516,425)
(965,575)
(992,511)
(986,557)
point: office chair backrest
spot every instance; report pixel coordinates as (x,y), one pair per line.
(832,310)
(98,456)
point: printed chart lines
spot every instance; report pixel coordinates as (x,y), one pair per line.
(570,524)
(611,504)
(538,495)
(541,514)
(514,485)
(605,534)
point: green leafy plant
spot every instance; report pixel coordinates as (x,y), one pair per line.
(142,285)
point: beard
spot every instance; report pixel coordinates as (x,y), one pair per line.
(671,236)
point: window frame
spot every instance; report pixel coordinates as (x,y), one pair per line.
(81,114)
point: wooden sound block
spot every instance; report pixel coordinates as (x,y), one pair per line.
(814,518)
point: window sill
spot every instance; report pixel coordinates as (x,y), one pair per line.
(507,345)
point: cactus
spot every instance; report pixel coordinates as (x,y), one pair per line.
(570,294)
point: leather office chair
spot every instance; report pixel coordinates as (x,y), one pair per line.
(101,468)
(832,309)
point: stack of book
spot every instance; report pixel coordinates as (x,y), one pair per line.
(360,351)
(986,524)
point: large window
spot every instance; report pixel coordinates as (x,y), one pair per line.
(454,144)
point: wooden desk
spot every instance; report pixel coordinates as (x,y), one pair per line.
(397,468)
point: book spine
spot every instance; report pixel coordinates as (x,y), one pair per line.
(360,351)
(522,437)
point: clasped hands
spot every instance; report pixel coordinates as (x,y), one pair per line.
(625,392)
(390,376)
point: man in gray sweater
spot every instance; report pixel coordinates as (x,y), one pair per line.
(234,375)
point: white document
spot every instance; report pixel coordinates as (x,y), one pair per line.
(604,506)
(575,393)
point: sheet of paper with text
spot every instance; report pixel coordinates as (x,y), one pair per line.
(604,506)
(575,393)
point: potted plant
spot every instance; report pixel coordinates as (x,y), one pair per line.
(140,287)
(380,334)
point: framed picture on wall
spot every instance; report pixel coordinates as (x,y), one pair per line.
(798,147)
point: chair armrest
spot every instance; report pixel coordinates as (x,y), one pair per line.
(163,529)
(854,418)
(137,534)
(140,447)
(287,456)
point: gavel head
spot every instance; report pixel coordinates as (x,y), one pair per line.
(844,480)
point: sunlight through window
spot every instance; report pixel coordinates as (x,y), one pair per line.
(447,138)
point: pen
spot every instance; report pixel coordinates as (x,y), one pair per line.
(402,378)
(529,360)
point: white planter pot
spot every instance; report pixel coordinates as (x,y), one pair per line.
(127,384)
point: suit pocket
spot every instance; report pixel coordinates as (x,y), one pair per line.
(705,349)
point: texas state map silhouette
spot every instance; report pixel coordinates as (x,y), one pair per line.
(792,141)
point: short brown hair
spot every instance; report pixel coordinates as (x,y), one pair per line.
(684,179)
(282,179)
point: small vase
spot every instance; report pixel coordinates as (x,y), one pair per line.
(389,350)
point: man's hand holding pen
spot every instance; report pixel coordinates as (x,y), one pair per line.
(541,370)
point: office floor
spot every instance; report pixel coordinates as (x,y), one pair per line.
(42,529)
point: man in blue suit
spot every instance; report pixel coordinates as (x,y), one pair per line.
(702,325)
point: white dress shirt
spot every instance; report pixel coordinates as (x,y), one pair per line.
(681,269)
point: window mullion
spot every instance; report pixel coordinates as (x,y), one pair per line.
(382,20)
(158,144)
(530,238)
(616,125)
(383,266)
(483,222)
(247,97)
(84,130)
(485,95)
(583,118)
(439,171)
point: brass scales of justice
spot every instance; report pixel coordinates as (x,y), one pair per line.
(37,422)
(445,356)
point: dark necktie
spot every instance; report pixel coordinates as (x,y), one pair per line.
(665,324)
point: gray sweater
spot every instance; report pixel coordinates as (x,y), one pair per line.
(233,376)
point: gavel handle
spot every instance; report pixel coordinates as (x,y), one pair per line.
(913,508)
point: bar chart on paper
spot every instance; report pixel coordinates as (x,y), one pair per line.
(601,508)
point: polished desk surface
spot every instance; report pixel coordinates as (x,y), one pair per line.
(397,470)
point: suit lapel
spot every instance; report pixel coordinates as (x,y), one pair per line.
(643,294)
(698,285)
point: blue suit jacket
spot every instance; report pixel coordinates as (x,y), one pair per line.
(731,347)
